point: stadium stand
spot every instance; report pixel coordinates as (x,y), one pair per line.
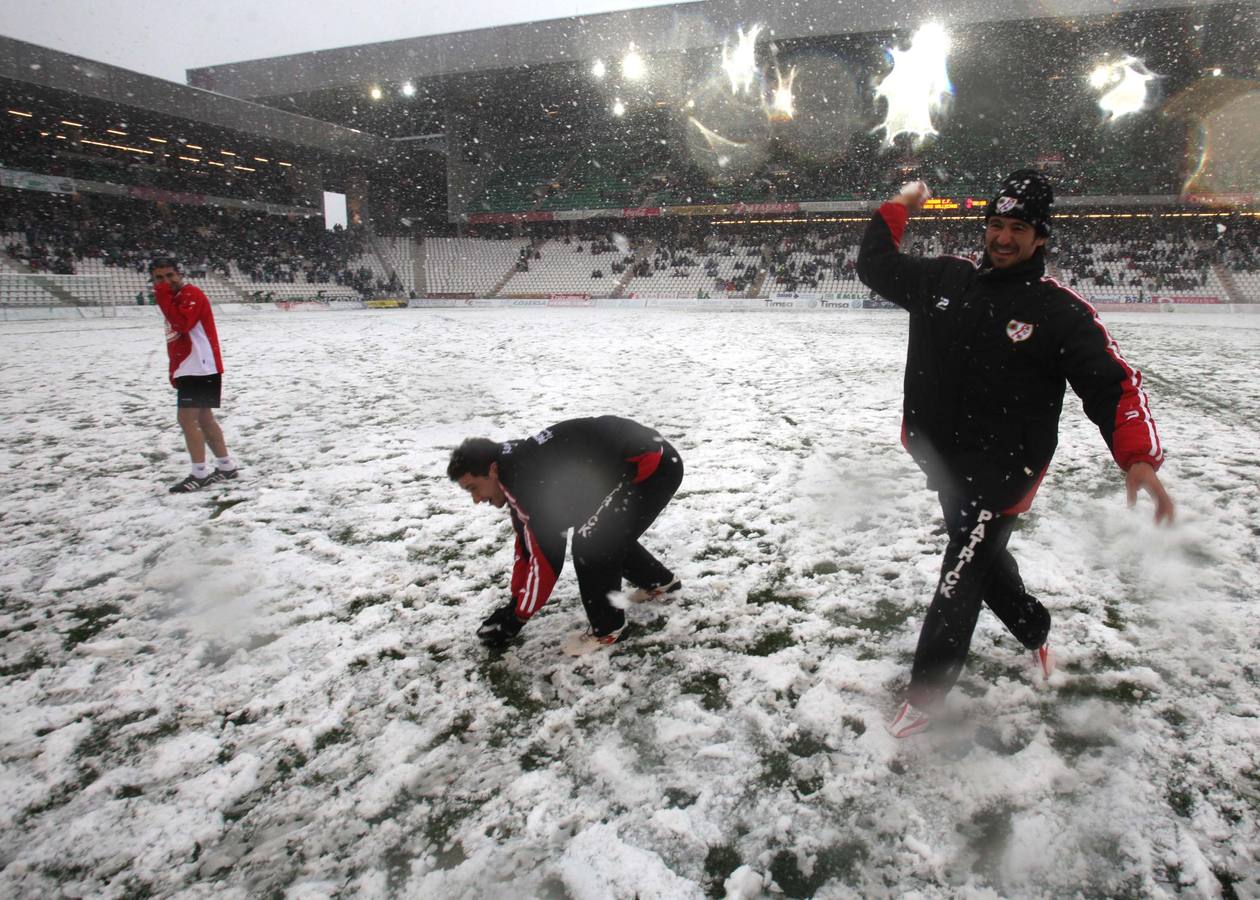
(472,266)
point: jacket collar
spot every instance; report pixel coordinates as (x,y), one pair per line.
(1029,270)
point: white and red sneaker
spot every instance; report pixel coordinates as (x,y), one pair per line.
(1043,658)
(661,592)
(581,643)
(909,720)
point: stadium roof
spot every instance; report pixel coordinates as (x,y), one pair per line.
(663,29)
(35,69)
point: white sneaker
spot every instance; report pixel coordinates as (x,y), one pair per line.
(580,643)
(909,720)
(647,595)
(1043,659)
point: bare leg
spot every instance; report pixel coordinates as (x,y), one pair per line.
(213,433)
(194,438)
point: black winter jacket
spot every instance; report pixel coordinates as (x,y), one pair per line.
(557,479)
(989,357)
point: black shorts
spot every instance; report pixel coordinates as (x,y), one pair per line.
(199,391)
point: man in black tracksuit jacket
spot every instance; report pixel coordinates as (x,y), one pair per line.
(606,477)
(991,350)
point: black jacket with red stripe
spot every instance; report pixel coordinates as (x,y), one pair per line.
(556,480)
(989,357)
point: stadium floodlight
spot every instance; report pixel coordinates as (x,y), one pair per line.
(598,69)
(375,93)
(408,89)
(632,65)
(917,85)
(619,108)
(1124,87)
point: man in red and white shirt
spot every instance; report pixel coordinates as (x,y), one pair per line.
(196,371)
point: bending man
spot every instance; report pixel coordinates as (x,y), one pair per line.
(606,477)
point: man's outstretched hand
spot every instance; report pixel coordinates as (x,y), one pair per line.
(1141,476)
(502,625)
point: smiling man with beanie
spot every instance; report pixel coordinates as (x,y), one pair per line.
(991,351)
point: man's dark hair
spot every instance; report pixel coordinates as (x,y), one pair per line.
(472,457)
(163,262)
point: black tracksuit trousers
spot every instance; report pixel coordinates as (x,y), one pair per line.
(977,568)
(606,548)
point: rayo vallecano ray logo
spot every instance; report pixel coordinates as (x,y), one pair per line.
(1006,204)
(1018,331)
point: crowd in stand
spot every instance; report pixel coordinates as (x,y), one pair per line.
(58,230)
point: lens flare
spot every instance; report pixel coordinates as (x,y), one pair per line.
(740,64)
(782,106)
(632,65)
(918,85)
(1125,86)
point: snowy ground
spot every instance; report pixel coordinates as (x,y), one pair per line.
(273,689)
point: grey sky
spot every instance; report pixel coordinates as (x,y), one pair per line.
(165,38)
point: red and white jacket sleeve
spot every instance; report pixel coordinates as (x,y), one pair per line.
(536,566)
(1110,390)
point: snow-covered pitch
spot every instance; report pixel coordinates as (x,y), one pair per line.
(273,689)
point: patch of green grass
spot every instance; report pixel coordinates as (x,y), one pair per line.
(363,601)
(826,567)
(31,661)
(770,594)
(776,769)
(1127,693)
(805,745)
(330,737)
(839,861)
(1227,880)
(853,723)
(772,643)
(680,798)
(709,686)
(92,621)
(536,756)
(510,687)
(442,821)
(886,617)
(458,726)
(719,863)
(987,833)
(222,506)
(25,626)
(1181,798)
(290,761)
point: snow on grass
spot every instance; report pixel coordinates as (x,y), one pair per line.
(272,688)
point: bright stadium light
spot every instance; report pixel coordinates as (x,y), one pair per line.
(917,85)
(632,65)
(740,64)
(598,69)
(619,108)
(375,93)
(1123,86)
(408,89)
